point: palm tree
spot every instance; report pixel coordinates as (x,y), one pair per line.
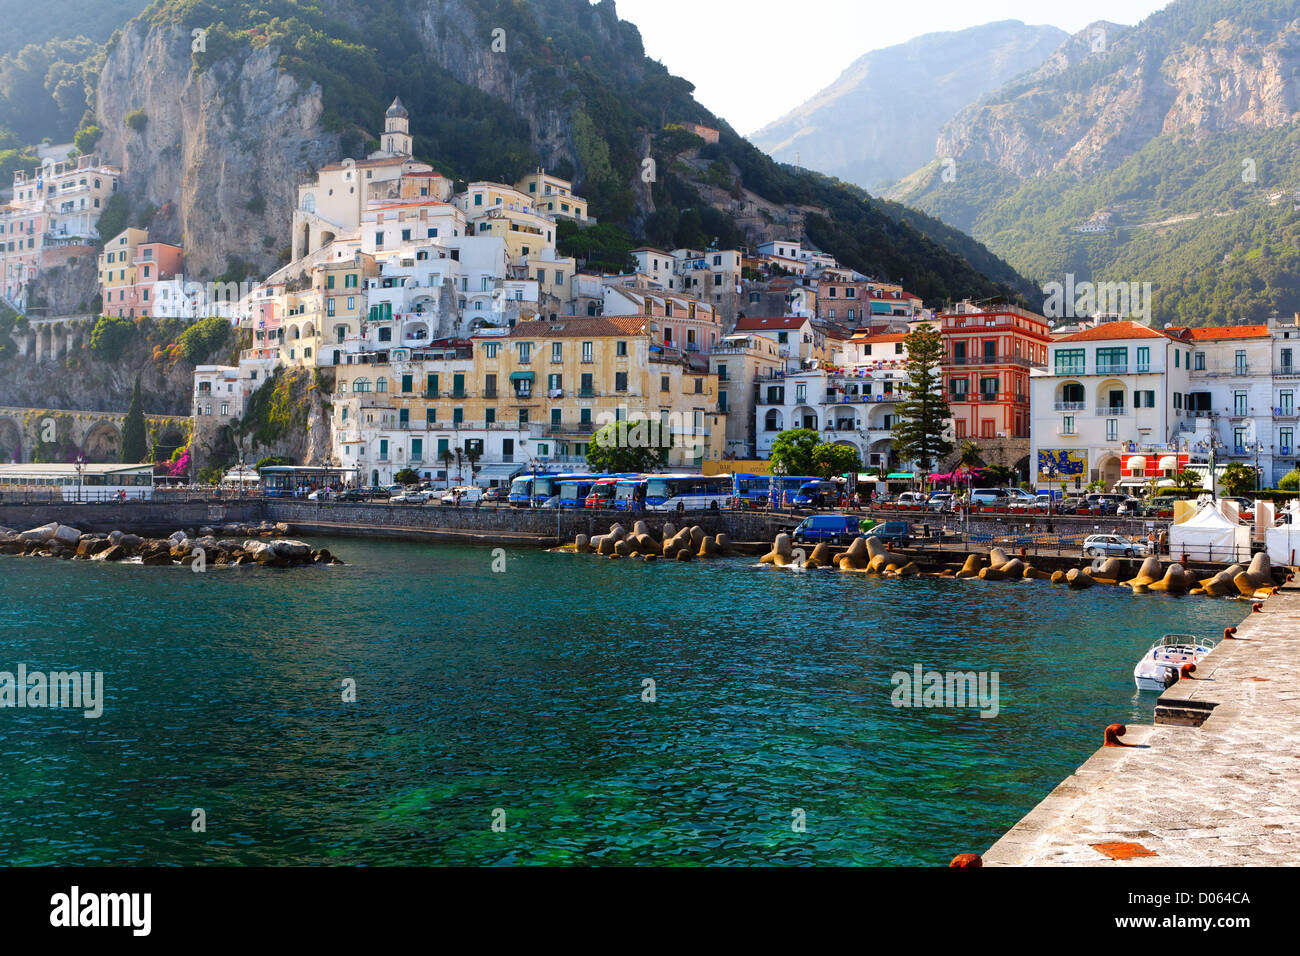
(969,457)
(447,456)
(473,453)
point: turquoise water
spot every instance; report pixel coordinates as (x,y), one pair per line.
(521,691)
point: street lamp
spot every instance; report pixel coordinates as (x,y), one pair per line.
(778,472)
(81,471)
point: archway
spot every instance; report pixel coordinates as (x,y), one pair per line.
(170,437)
(1108,470)
(11,441)
(103,444)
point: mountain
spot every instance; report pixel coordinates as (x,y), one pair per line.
(219,138)
(879,120)
(38,23)
(1168,153)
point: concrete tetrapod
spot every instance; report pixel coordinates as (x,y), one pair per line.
(1258,577)
(971,569)
(781,553)
(1001,571)
(1222,584)
(821,556)
(877,555)
(1175,581)
(1108,571)
(1147,575)
(855,558)
(1078,579)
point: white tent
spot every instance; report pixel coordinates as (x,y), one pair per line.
(1209,536)
(1283,544)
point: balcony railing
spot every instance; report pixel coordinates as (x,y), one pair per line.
(968,360)
(1112,368)
(1287,370)
(1069,406)
(1112,411)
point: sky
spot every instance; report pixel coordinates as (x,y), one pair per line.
(752,61)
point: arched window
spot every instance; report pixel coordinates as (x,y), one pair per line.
(361,385)
(773,421)
(381,384)
(1072,392)
(308,202)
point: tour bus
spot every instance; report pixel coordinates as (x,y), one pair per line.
(688,492)
(537,490)
(86,482)
(752,491)
(601,493)
(557,497)
(625,491)
(575,491)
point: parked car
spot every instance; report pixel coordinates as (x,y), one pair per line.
(412,498)
(1107,503)
(940,501)
(320,494)
(897,532)
(1111,545)
(352,494)
(983,497)
(836,529)
(496,496)
(913,498)
(399,489)
(377,494)
(1130,506)
(1069,506)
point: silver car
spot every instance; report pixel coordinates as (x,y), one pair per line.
(1111,545)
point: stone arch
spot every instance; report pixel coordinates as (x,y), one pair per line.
(772,421)
(11,441)
(169,437)
(1022,469)
(103,443)
(1108,469)
(1071,396)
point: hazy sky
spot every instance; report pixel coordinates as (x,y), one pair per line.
(753,60)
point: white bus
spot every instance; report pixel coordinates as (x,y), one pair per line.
(688,492)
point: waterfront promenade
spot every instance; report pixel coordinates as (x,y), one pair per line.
(1225,793)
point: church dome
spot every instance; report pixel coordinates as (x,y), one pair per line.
(397,109)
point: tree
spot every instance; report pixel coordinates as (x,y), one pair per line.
(831,460)
(407,476)
(923,413)
(629,446)
(109,337)
(1237,478)
(792,450)
(447,456)
(135,439)
(473,452)
(1187,480)
(1290,481)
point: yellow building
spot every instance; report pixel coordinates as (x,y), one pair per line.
(117,269)
(495,209)
(553,195)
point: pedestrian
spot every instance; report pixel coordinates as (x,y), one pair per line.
(1151,542)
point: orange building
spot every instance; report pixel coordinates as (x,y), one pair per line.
(989,352)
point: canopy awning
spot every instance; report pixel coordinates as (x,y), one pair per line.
(900,476)
(521,376)
(1137,463)
(499,471)
(1169,463)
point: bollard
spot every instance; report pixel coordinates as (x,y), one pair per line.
(1256,608)
(1186,671)
(1230,634)
(1112,735)
(966,859)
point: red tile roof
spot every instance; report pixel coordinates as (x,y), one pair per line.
(1114,330)
(1224,332)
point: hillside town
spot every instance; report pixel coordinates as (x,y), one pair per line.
(451,326)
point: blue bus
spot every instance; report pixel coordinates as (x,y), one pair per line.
(689,492)
(752,491)
(533,490)
(575,489)
(625,492)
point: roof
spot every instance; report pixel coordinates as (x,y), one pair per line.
(396,109)
(1223,332)
(770,323)
(584,326)
(1114,330)
(870,339)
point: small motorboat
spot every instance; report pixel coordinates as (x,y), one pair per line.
(1161,666)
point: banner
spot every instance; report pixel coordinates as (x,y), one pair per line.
(1062,464)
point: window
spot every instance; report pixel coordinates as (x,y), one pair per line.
(1067,425)
(1068,361)
(557,351)
(989,389)
(620,348)
(1176,359)
(1285,358)
(406,384)
(523,416)
(554,382)
(722,372)
(1285,442)
(1239,362)
(490,350)
(587,348)
(620,381)
(957,387)
(1286,402)
(557,417)
(525,352)
(1113,361)
(1200,361)
(1112,429)
(1178,398)
(1143,359)
(1239,403)
(1144,399)
(1239,440)
(585,388)
(663,383)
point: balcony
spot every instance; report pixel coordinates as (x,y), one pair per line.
(1069,406)
(1069,370)
(1287,370)
(1112,368)
(973,360)
(1112,411)
(1066,430)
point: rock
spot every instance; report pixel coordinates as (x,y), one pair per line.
(723,541)
(1256,577)
(855,558)
(282,528)
(114,552)
(820,557)
(115,537)
(157,559)
(42,534)
(206,531)
(708,548)
(89,547)
(130,541)
(1175,581)
(67,535)
(668,530)
(261,552)
(781,553)
(1058,577)
(684,554)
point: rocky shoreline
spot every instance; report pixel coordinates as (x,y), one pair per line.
(229,545)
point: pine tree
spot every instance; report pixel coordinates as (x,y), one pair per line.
(135,441)
(923,414)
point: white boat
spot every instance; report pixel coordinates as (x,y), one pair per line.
(1160,666)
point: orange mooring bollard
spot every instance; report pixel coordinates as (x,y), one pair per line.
(966,859)
(1113,733)
(1230,634)
(1186,671)
(1256,608)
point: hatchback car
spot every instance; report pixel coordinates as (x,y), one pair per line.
(1111,545)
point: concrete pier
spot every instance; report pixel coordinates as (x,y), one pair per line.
(1225,792)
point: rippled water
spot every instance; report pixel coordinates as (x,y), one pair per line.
(522,691)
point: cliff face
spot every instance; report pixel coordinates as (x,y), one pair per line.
(222,148)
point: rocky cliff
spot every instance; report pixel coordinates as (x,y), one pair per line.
(221,150)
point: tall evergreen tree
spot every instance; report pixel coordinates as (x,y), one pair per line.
(923,414)
(135,438)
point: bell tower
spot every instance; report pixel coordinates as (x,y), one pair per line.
(396,140)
